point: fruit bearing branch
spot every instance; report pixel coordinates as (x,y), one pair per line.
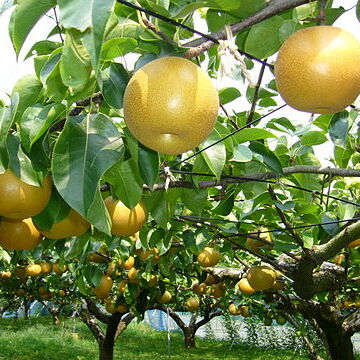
(204,36)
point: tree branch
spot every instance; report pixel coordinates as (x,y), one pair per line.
(351,324)
(94,310)
(201,45)
(226,180)
(90,322)
(123,324)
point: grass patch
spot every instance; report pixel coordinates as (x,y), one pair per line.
(38,339)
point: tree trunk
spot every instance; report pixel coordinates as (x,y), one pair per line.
(56,319)
(189,337)
(106,346)
(340,346)
(26,308)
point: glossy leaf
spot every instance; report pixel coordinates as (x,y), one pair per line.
(7,116)
(313,138)
(24,17)
(194,199)
(20,163)
(126,181)
(269,158)
(228,95)
(148,161)
(215,156)
(74,63)
(56,210)
(29,89)
(339,127)
(116,47)
(89,17)
(114,81)
(43,47)
(268,29)
(242,153)
(36,120)
(78,165)
(251,134)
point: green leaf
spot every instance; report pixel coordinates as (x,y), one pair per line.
(331,229)
(148,161)
(194,199)
(281,124)
(160,207)
(323,121)
(263,39)
(74,63)
(114,81)
(358,10)
(20,163)
(339,127)
(43,47)
(29,89)
(78,165)
(252,134)
(200,166)
(228,95)
(126,181)
(89,17)
(269,158)
(241,9)
(36,120)
(216,19)
(215,156)
(225,206)
(242,153)
(342,156)
(186,10)
(51,78)
(114,48)
(93,274)
(7,116)
(24,17)
(313,138)
(75,246)
(56,210)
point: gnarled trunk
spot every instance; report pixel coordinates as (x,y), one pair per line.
(189,337)
(340,346)
(106,347)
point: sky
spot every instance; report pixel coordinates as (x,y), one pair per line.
(11,69)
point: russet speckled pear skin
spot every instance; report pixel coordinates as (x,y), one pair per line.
(170,105)
(318,70)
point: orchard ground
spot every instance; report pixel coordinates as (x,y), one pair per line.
(37,339)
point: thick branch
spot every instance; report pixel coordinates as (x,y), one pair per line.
(123,324)
(91,323)
(226,180)
(199,46)
(225,272)
(94,310)
(336,243)
(351,324)
(208,316)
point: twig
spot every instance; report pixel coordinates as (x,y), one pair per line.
(293,233)
(256,93)
(199,46)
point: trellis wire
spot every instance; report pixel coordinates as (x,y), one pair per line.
(208,219)
(229,135)
(249,179)
(176,23)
